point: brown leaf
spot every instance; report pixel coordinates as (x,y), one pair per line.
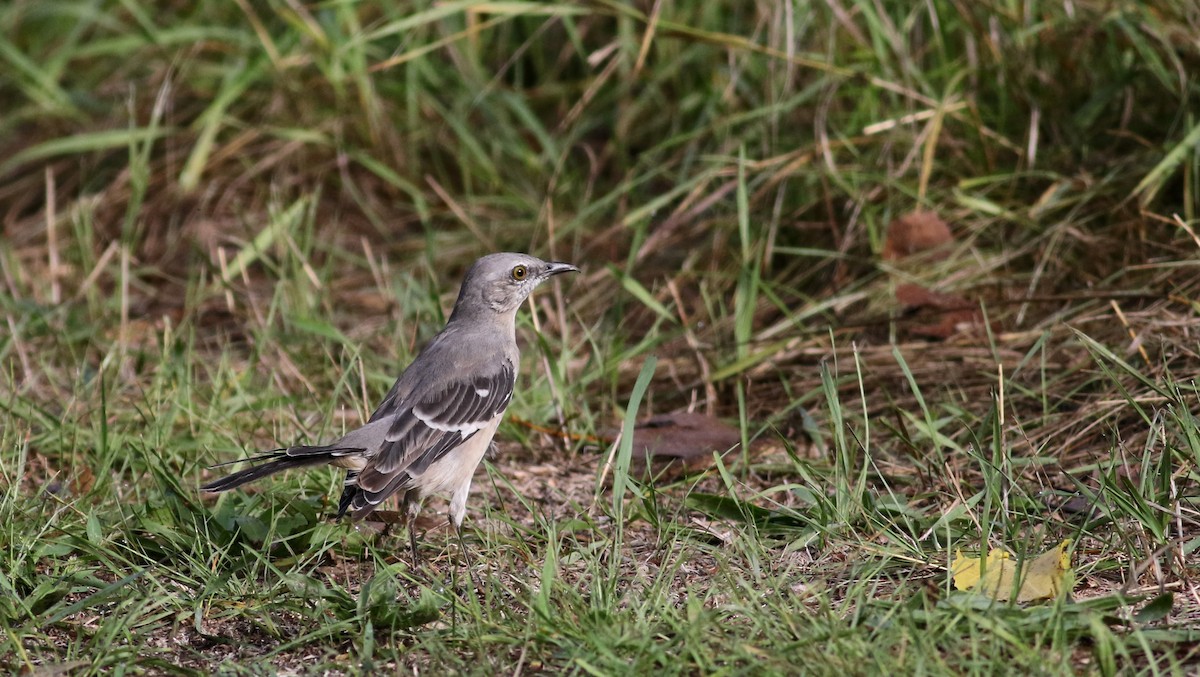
(913,233)
(680,443)
(951,314)
(83,481)
(53,669)
(914,296)
(953,323)
(1075,505)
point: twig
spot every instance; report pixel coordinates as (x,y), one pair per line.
(52,239)
(1132,334)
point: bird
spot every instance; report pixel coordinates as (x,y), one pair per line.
(434,426)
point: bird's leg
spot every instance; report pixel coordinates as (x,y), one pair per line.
(454,593)
(466,557)
(410,506)
(412,544)
(466,562)
(458,511)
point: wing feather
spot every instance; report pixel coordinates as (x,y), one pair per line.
(425,431)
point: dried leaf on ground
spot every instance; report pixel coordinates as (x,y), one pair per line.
(913,233)
(951,314)
(915,296)
(682,442)
(1042,577)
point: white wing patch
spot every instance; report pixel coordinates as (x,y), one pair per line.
(482,392)
(463,429)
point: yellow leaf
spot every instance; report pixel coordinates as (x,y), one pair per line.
(1042,577)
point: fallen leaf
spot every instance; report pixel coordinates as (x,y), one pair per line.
(916,296)
(1074,505)
(83,482)
(1042,577)
(913,233)
(681,442)
(953,314)
(950,324)
(54,669)
(1156,609)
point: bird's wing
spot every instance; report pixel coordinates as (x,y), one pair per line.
(432,423)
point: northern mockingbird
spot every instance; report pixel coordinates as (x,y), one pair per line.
(435,424)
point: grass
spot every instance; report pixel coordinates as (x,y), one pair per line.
(229,225)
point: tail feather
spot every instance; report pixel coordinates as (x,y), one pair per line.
(359,502)
(276,461)
(265,456)
(350,488)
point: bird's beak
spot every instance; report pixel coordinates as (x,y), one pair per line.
(554,268)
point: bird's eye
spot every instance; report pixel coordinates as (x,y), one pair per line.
(519,273)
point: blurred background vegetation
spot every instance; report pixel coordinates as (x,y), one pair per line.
(434,127)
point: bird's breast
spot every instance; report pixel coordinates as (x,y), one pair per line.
(457,467)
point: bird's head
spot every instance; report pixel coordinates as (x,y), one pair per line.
(499,283)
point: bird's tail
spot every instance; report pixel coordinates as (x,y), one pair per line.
(276,461)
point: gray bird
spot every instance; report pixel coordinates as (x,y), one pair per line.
(435,424)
